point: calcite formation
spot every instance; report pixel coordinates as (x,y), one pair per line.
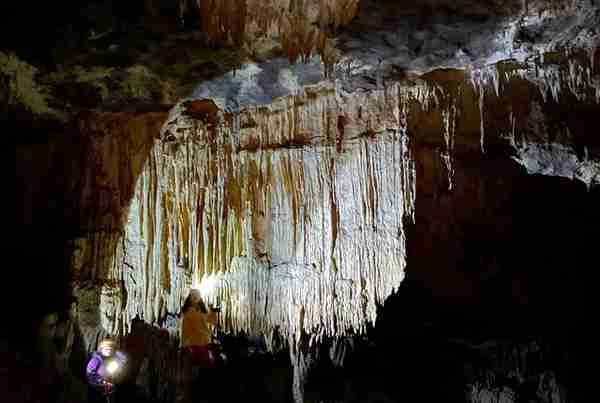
(539,146)
(298,220)
(114,156)
(300,26)
(301,200)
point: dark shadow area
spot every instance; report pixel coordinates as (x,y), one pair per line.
(36,335)
(247,373)
(44,32)
(36,283)
(514,322)
(256,378)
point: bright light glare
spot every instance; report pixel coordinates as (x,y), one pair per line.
(112,367)
(207,285)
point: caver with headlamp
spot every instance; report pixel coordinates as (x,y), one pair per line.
(105,368)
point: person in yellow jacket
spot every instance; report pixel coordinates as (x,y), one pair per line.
(196,329)
(196,337)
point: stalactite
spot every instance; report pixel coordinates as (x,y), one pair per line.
(550,82)
(431,98)
(481,104)
(337,12)
(223,20)
(537,150)
(487,75)
(481,78)
(449,129)
(299,37)
(300,25)
(272,209)
(511,136)
(575,77)
(338,350)
(579,79)
(301,364)
(425,94)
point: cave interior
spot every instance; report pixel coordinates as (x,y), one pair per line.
(392,201)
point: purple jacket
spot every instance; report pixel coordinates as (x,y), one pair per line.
(96,368)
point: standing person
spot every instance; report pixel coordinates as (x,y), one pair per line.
(196,329)
(196,337)
(104,369)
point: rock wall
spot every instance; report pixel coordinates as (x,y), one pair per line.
(78,190)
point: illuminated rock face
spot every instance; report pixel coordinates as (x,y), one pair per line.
(301,200)
(298,214)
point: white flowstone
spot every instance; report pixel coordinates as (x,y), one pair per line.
(296,220)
